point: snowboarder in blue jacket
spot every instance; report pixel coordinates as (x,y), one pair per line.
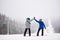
(41,26)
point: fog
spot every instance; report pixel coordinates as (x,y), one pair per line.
(19,10)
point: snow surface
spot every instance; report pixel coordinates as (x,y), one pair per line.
(55,36)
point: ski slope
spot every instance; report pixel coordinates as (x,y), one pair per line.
(55,36)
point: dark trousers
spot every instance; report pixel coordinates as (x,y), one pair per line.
(26,31)
(39,30)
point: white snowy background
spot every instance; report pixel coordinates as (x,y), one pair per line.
(19,10)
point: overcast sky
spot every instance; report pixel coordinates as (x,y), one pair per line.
(20,9)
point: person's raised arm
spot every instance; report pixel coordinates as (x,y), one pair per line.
(32,19)
(36,20)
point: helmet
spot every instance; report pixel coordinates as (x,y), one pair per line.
(40,19)
(28,18)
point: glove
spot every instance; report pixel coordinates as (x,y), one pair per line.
(34,17)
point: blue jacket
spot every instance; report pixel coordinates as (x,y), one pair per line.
(41,24)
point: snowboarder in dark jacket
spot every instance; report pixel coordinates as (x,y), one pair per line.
(41,26)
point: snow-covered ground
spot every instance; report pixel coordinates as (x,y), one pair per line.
(55,36)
